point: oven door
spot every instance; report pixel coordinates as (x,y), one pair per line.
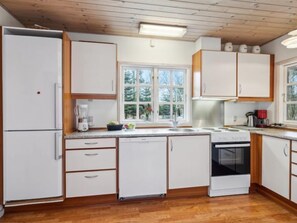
(230,158)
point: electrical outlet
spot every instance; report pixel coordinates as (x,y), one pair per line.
(234,118)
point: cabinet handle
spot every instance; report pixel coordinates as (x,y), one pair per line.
(91,143)
(240,88)
(112,85)
(285,150)
(91,154)
(204,88)
(171,145)
(90,177)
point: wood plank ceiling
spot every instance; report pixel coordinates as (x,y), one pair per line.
(239,21)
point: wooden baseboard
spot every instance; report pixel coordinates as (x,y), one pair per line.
(187,192)
(277,198)
(68,202)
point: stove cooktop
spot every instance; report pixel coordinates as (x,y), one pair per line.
(226,134)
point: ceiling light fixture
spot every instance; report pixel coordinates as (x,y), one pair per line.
(162,30)
(292,41)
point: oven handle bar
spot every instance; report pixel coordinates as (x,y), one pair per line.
(232,145)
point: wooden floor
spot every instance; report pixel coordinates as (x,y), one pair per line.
(245,208)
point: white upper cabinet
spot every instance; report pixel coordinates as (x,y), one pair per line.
(93,68)
(189,161)
(276,165)
(254,75)
(214,74)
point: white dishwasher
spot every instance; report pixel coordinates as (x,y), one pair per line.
(142,167)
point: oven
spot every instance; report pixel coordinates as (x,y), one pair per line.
(230,162)
(230,158)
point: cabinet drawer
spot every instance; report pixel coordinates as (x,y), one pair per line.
(90,159)
(294,146)
(90,183)
(294,169)
(294,189)
(90,143)
(294,157)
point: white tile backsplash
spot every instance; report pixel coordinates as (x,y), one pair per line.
(102,111)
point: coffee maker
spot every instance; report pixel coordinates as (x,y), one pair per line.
(81,113)
(262,121)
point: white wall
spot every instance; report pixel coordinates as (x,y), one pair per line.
(281,52)
(7,19)
(135,50)
(234,112)
(145,50)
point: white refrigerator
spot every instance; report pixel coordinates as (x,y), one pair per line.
(32,117)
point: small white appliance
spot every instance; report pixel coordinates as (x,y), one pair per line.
(81,113)
(230,162)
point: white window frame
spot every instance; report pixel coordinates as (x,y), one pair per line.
(281,92)
(155,101)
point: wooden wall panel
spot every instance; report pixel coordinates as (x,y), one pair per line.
(244,21)
(68,115)
(1,122)
(256,159)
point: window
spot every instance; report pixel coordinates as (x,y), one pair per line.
(154,94)
(290,88)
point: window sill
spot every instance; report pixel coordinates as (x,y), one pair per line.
(141,124)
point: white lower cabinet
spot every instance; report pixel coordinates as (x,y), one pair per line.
(90,183)
(189,161)
(93,159)
(90,167)
(276,165)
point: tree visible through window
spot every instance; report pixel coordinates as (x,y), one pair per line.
(291,90)
(153,94)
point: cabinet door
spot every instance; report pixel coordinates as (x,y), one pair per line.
(253,75)
(189,161)
(218,74)
(93,68)
(276,165)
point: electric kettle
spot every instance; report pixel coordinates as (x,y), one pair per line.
(250,119)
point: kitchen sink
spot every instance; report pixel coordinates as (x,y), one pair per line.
(181,130)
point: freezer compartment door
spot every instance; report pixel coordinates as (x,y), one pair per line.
(32,78)
(32,165)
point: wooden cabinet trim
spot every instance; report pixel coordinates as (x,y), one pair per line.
(1,122)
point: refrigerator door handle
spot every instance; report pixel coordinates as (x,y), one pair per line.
(58,105)
(58,146)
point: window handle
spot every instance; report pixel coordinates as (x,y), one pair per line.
(284,97)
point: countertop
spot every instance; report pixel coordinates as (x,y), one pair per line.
(280,133)
(153,132)
(134,133)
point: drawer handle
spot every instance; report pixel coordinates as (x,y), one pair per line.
(91,154)
(91,143)
(90,177)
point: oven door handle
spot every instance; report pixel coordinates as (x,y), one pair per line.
(233,145)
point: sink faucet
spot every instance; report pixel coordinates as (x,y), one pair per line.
(175,121)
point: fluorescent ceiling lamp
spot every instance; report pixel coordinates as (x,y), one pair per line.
(292,41)
(162,30)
